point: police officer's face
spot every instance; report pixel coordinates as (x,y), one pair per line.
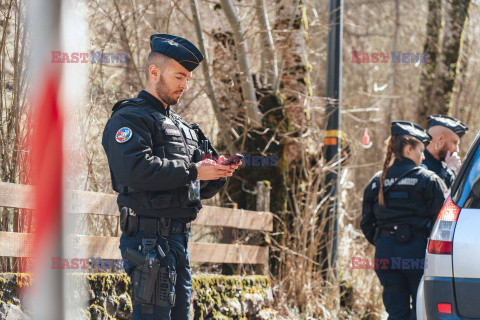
(415,153)
(450,144)
(172,82)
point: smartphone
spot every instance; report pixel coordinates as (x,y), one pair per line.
(235,159)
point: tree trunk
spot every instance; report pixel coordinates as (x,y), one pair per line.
(222,121)
(438,76)
(269,59)
(393,76)
(254,116)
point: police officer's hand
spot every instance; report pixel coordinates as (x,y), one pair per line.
(210,170)
(453,161)
(222,159)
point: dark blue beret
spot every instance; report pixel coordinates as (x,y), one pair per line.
(449,122)
(411,129)
(177,48)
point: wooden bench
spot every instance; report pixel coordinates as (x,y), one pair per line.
(14,244)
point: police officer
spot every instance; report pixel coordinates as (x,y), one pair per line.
(399,204)
(157,168)
(441,154)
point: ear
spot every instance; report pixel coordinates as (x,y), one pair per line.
(441,140)
(154,71)
(407,150)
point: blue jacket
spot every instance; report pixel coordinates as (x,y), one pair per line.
(150,151)
(416,199)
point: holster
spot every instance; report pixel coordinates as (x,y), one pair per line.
(144,277)
(151,283)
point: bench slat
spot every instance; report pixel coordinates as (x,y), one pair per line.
(19,244)
(16,195)
(20,196)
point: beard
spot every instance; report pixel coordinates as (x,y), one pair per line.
(442,154)
(164,92)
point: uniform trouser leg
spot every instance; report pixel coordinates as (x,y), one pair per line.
(396,295)
(401,281)
(177,259)
(414,270)
(183,288)
(413,282)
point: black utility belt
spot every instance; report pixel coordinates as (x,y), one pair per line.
(403,233)
(386,233)
(131,224)
(162,226)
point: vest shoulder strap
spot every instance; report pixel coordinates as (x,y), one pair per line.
(126,102)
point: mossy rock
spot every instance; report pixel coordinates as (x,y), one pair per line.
(213,296)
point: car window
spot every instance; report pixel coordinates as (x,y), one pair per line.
(470,186)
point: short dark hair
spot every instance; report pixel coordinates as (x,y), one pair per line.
(158,59)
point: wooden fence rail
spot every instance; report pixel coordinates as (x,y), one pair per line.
(14,244)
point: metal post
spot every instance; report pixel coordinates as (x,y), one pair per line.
(332,142)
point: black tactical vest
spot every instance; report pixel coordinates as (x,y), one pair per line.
(172,139)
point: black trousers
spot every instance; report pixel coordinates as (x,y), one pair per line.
(401,276)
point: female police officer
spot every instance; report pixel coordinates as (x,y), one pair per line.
(399,206)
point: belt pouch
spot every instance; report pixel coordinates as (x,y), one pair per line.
(404,233)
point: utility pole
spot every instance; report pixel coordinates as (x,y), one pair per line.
(333,137)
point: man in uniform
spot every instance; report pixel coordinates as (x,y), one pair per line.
(441,154)
(156,167)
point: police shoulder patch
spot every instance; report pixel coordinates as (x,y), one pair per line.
(123,135)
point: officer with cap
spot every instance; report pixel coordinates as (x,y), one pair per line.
(441,154)
(399,204)
(156,167)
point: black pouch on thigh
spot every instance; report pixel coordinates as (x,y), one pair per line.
(404,233)
(166,280)
(143,285)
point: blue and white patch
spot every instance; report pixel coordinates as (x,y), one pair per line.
(123,135)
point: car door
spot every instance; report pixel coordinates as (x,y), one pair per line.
(466,242)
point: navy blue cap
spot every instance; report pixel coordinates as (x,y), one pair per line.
(411,129)
(451,123)
(177,48)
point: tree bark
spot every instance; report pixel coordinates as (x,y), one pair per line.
(269,59)
(254,116)
(222,121)
(438,77)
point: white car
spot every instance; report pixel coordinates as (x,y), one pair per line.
(450,288)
